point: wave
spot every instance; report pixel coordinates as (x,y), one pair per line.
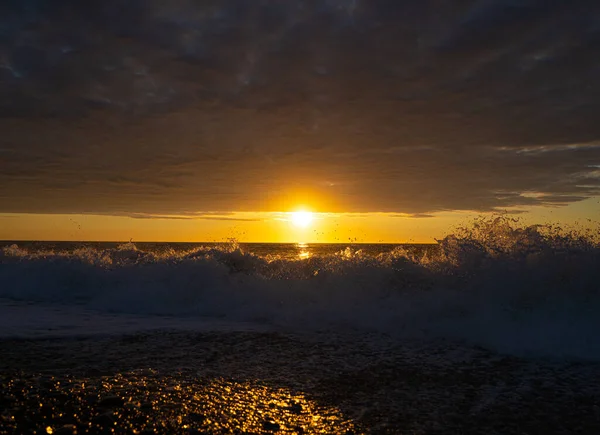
(523,290)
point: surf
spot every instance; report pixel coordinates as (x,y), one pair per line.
(525,290)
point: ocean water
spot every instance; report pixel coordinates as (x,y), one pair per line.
(529,291)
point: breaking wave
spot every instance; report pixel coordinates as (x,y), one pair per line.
(525,290)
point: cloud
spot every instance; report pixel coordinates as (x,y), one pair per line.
(159,217)
(158,108)
(421,215)
(194,216)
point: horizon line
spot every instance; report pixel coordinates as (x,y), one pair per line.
(214,242)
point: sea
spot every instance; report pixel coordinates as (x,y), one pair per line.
(520,290)
(493,329)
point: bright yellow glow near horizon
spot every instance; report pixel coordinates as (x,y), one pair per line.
(269,227)
(302,219)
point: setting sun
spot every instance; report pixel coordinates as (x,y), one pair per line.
(301,219)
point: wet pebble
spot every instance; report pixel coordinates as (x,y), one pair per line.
(295,408)
(111,402)
(195,417)
(67,429)
(271,426)
(103,420)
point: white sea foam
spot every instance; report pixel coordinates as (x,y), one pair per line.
(532,291)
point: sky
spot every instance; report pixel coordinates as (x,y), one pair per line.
(206,120)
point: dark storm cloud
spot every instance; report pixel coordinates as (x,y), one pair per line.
(164,108)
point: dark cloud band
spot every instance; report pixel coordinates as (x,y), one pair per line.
(384,105)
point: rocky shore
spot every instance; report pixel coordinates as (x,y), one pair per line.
(257,382)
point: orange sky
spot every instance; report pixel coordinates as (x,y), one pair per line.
(267,226)
(374,110)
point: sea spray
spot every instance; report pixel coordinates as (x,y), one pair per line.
(520,289)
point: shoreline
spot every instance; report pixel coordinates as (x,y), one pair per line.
(285,383)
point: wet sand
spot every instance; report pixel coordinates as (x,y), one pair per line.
(257,382)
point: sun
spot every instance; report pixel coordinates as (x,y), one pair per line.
(301,219)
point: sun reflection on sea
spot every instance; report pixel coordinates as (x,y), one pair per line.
(304,252)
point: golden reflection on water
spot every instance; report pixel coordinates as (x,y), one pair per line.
(304,252)
(137,402)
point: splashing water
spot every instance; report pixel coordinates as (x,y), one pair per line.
(527,290)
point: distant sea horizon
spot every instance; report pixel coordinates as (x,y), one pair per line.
(289,250)
(3,242)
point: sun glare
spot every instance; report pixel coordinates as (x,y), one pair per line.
(301,219)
